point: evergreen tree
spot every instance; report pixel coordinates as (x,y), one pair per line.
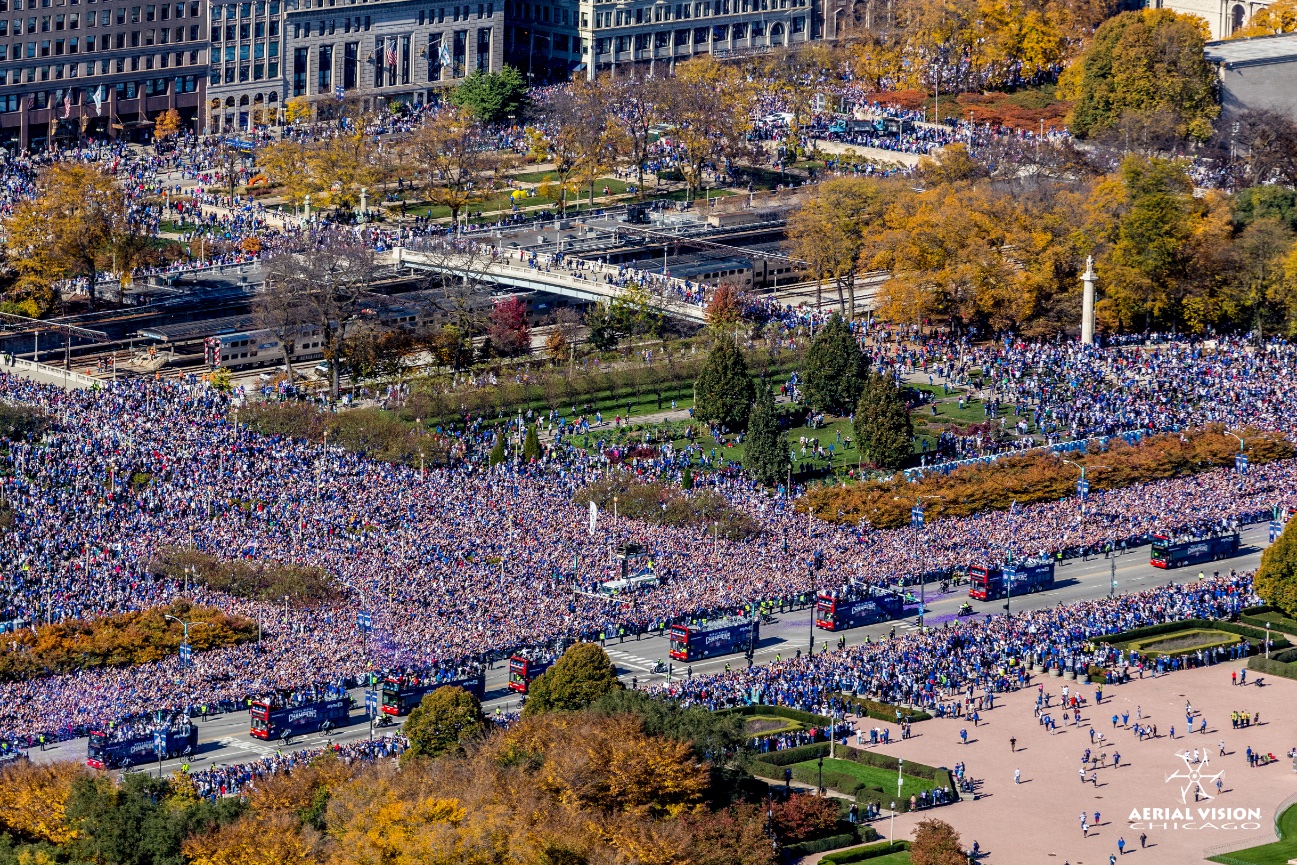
(497,454)
(1276,579)
(766,446)
(531,445)
(723,392)
(687,478)
(884,432)
(835,369)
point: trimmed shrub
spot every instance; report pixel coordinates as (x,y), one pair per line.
(1271,667)
(833,842)
(780,712)
(1039,477)
(140,637)
(1259,616)
(862,854)
(884,711)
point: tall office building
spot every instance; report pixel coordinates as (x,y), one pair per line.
(606,36)
(72,67)
(246,83)
(390,50)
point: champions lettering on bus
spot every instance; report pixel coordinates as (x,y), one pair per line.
(1169,552)
(271,719)
(709,639)
(844,610)
(133,743)
(991,582)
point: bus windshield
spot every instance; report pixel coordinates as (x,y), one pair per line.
(679,640)
(826,611)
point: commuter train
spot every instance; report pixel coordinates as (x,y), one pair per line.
(256,348)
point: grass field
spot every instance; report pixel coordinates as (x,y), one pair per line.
(1278,853)
(872,775)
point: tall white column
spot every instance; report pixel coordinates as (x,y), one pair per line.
(1087,302)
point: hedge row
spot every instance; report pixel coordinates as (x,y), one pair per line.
(939,776)
(663,504)
(1252,633)
(1039,477)
(865,853)
(1272,667)
(863,834)
(884,711)
(1259,616)
(254,579)
(779,712)
(124,639)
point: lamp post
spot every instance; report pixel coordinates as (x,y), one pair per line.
(916,523)
(1267,641)
(185,657)
(891,833)
(821,783)
(1240,458)
(1082,491)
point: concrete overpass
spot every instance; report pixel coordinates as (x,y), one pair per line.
(587,284)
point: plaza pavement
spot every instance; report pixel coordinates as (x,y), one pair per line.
(1037,822)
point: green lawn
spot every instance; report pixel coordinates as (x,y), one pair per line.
(901,858)
(1277,853)
(872,775)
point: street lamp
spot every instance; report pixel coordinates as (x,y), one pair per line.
(1240,458)
(891,833)
(1267,641)
(1082,492)
(916,522)
(821,784)
(185,657)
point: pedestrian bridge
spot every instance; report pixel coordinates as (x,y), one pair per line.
(587,284)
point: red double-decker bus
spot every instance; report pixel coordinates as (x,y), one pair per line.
(523,671)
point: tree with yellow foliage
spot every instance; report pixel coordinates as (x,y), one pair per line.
(167,125)
(284,164)
(34,798)
(711,108)
(456,159)
(297,109)
(78,212)
(1278,17)
(828,233)
(1142,63)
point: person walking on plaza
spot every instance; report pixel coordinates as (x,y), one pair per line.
(1121,846)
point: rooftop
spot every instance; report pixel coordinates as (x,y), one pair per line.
(1253,51)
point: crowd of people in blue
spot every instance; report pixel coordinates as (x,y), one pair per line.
(466,560)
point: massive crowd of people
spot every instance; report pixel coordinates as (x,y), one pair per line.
(457,562)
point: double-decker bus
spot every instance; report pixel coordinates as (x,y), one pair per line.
(136,741)
(1171,553)
(524,670)
(836,611)
(272,718)
(990,582)
(720,637)
(401,694)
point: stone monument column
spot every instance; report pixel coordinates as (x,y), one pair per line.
(1087,302)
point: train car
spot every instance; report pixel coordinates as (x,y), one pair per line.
(1169,553)
(258,348)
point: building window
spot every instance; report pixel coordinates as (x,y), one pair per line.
(325,69)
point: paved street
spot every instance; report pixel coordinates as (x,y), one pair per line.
(224,739)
